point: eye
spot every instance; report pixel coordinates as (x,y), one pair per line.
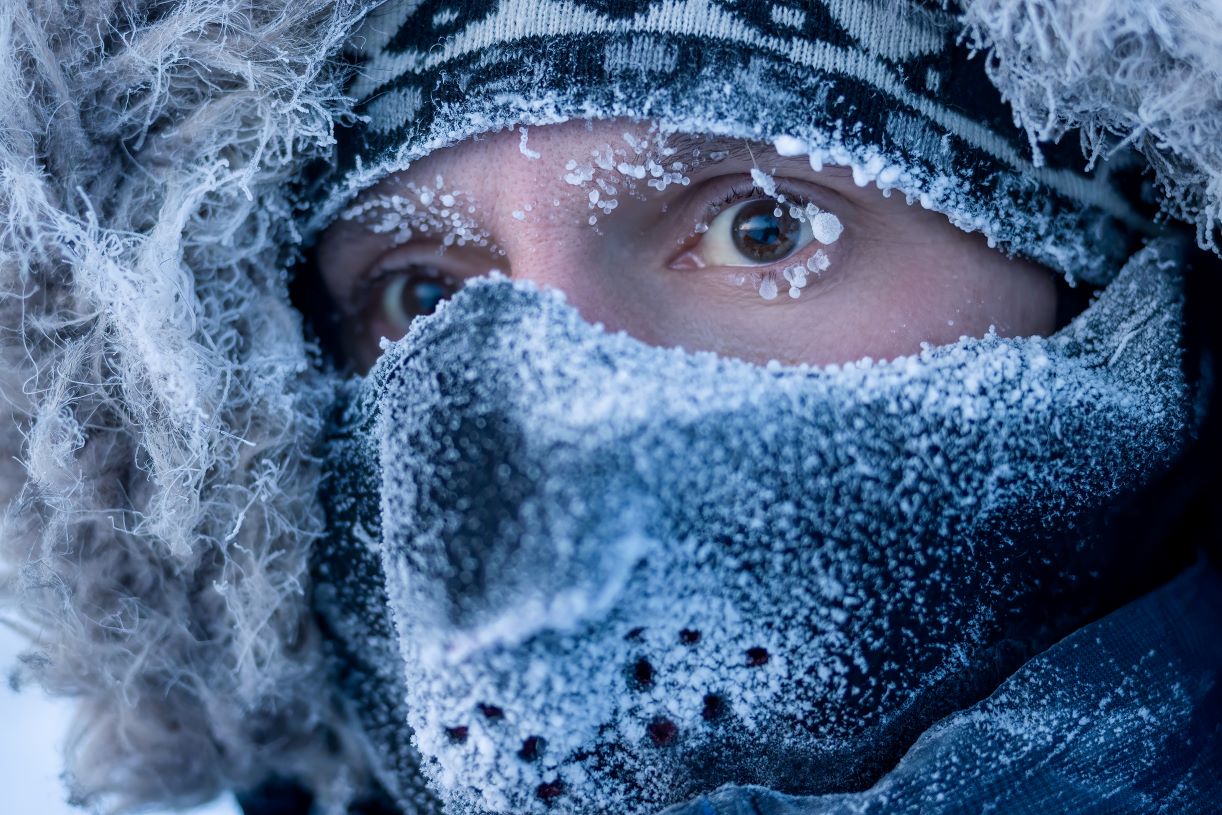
(756,232)
(412,292)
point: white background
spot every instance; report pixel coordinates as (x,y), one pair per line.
(31,736)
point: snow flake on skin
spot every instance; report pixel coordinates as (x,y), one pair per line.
(413,210)
(526,151)
(611,171)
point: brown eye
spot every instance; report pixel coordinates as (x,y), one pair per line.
(758,232)
(763,232)
(414,292)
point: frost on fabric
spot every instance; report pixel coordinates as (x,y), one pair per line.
(622,576)
(159,406)
(1095,722)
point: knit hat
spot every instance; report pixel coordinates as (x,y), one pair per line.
(886,88)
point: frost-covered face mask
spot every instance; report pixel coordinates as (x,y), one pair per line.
(570,570)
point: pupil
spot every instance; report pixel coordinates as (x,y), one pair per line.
(424,297)
(760,235)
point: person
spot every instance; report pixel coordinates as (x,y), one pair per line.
(693,406)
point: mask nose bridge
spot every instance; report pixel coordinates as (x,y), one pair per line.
(487,506)
(451,490)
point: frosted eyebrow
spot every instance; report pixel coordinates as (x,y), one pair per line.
(686,145)
(735,149)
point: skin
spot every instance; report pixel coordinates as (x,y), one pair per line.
(899,275)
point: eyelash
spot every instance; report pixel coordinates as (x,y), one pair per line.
(744,189)
(371,284)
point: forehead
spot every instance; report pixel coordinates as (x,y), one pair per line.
(556,165)
(535,152)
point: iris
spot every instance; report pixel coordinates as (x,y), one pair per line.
(763,235)
(415,292)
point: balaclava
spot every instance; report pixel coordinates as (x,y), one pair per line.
(593,573)
(565,569)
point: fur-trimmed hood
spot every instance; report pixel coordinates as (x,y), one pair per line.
(161,404)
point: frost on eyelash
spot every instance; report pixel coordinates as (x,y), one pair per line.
(826,227)
(766,183)
(420,209)
(818,262)
(796,277)
(767,288)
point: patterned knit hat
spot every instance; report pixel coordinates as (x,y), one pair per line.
(881,86)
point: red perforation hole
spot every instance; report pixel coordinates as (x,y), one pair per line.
(457,734)
(757,656)
(642,672)
(689,636)
(532,748)
(550,790)
(662,732)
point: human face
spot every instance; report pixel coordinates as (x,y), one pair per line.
(675,241)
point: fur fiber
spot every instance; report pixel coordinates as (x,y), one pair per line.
(1140,72)
(163,406)
(160,406)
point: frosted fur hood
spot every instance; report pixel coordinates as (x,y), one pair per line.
(1122,72)
(161,405)
(163,401)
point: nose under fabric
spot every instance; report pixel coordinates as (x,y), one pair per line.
(503,527)
(610,577)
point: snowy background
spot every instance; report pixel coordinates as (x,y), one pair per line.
(31,734)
